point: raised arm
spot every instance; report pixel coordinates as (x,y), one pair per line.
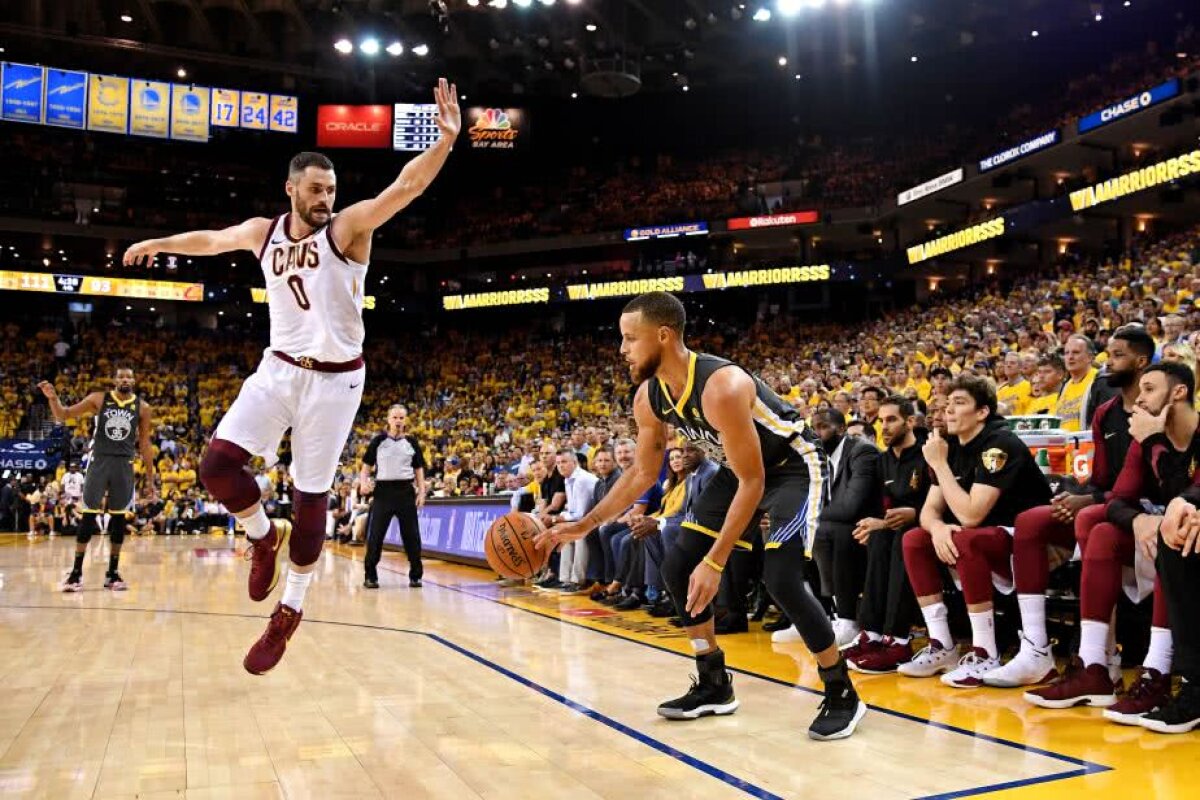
(358,221)
(633,483)
(90,404)
(248,235)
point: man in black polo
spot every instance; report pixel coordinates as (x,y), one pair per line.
(399,468)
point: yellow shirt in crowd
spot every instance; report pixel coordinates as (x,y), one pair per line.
(1071,400)
(1016,395)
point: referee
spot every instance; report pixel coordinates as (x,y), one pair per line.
(399,468)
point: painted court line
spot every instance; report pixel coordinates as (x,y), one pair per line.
(649,741)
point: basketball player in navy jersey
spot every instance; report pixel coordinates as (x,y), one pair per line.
(311,377)
(770,462)
(123,425)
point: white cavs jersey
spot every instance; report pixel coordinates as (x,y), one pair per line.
(315,295)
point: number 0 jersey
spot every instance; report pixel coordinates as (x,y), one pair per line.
(782,434)
(315,294)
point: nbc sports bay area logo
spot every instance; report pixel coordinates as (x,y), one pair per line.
(494,129)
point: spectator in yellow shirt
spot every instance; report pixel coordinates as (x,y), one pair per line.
(1051,373)
(1015,391)
(1078,354)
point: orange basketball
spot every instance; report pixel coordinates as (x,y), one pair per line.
(509,546)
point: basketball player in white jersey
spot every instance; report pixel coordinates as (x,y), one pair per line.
(311,376)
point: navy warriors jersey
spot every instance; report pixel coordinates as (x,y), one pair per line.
(116,431)
(782,434)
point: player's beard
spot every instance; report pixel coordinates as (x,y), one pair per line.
(309,215)
(1120,380)
(646,370)
(126,390)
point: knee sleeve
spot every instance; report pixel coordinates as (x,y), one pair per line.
(308,534)
(87,528)
(921,562)
(223,472)
(676,571)
(783,573)
(116,529)
(1108,549)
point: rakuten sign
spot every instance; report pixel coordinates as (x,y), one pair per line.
(354,126)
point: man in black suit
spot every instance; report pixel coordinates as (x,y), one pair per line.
(842,562)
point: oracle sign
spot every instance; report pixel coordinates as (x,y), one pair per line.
(354,126)
(774,220)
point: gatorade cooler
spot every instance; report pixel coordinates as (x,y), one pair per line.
(1080,450)
(1049,448)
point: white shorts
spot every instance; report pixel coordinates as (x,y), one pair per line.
(319,407)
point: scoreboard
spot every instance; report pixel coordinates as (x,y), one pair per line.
(60,283)
(414,128)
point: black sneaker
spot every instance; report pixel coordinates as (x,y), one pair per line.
(113,581)
(549,583)
(841,709)
(703,699)
(629,603)
(73,583)
(665,607)
(414,583)
(370,583)
(781,624)
(1180,715)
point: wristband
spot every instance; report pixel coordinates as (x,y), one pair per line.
(713,565)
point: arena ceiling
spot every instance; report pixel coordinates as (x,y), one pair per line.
(534,48)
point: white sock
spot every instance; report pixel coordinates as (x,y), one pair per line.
(901,639)
(256,523)
(293,591)
(1093,640)
(872,636)
(1033,618)
(1162,649)
(937,620)
(983,632)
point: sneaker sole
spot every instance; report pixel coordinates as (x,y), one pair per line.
(1161,727)
(928,674)
(711,710)
(1133,720)
(967,683)
(116,588)
(1093,700)
(284,531)
(846,732)
(1009,684)
(70,589)
(867,671)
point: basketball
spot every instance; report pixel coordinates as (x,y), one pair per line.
(509,546)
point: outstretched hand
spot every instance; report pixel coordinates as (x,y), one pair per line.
(449,117)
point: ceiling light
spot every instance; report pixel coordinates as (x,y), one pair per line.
(782,61)
(789,8)
(369,46)
(1099,17)
(421,50)
(1034,34)
(343,46)
(181,72)
(591,27)
(913,59)
(798,76)
(523,3)
(395,49)
(501,4)
(472,3)
(762,15)
(685,87)
(126,18)
(574,95)
(546,2)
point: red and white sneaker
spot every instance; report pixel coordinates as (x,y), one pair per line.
(1149,692)
(884,657)
(113,581)
(863,644)
(971,669)
(269,649)
(1079,686)
(1031,666)
(930,660)
(265,556)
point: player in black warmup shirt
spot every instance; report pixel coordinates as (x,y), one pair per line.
(399,468)
(123,424)
(770,461)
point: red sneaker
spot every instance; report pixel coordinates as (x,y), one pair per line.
(264,556)
(1151,691)
(884,657)
(863,644)
(267,651)
(1079,686)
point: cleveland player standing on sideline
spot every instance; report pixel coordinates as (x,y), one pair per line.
(311,376)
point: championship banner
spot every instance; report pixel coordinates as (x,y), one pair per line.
(255,110)
(21,99)
(773,220)
(60,283)
(226,108)
(189,112)
(496,128)
(513,297)
(108,104)
(1136,181)
(1130,105)
(150,109)
(283,113)
(666,231)
(929,187)
(995,160)
(66,98)
(18,454)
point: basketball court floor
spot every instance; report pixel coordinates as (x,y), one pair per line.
(462,689)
